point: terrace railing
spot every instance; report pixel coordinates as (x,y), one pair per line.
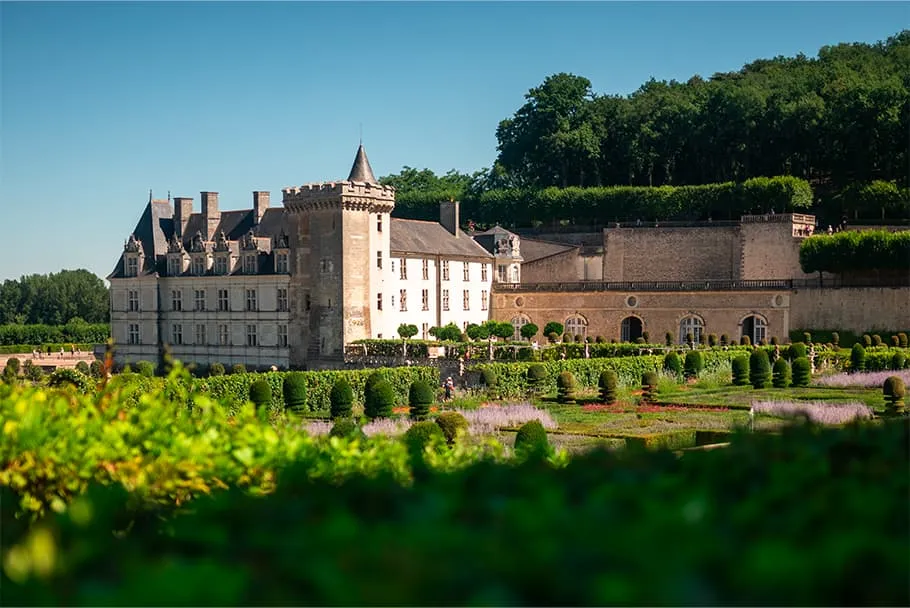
(710,285)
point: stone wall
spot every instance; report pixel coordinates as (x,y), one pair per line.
(851,309)
(561,267)
(770,251)
(671,254)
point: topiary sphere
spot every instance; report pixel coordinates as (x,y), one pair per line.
(238,368)
(695,363)
(740,370)
(780,376)
(379,399)
(536,374)
(451,423)
(712,340)
(216,369)
(260,393)
(607,384)
(894,392)
(341,399)
(672,363)
(420,435)
(796,350)
(420,398)
(294,391)
(83,368)
(649,380)
(898,360)
(867,341)
(531,439)
(372,379)
(801,372)
(565,387)
(145,368)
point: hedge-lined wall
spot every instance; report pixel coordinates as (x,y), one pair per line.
(854,251)
(82,333)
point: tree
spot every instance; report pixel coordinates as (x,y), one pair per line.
(528,331)
(406,330)
(55,299)
(553,327)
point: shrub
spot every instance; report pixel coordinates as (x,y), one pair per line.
(83,368)
(759,369)
(781,374)
(740,367)
(835,338)
(145,368)
(13,364)
(774,341)
(531,439)
(488,377)
(695,363)
(216,369)
(895,342)
(69,377)
(450,423)
(712,340)
(552,337)
(796,350)
(668,339)
(646,336)
(802,371)
(902,337)
(579,338)
(690,338)
(528,331)
(420,435)
(876,340)
(600,340)
(702,338)
(724,340)
(33,372)
(672,363)
(857,358)
(553,327)
(347,428)
(96,369)
(745,341)
(894,391)
(807,337)
(537,376)
(565,387)
(566,338)
(379,399)
(238,368)
(294,391)
(420,398)
(260,393)
(898,360)
(867,340)
(341,399)
(649,386)
(607,385)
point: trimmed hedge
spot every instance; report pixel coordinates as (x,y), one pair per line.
(341,399)
(759,369)
(607,385)
(294,391)
(450,423)
(531,439)
(780,374)
(856,251)
(802,372)
(420,397)
(261,393)
(80,334)
(379,399)
(671,440)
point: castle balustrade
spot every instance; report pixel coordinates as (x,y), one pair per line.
(712,285)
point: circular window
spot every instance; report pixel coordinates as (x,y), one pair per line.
(778,300)
(519,301)
(631,301)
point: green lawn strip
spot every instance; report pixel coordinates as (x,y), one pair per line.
(738,397)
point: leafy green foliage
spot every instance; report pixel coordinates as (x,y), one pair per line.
(802,372)
(741,370)
(780,374)
(695,364)
(238,368)
(565,387)
(672,363)
(420,435)
(608,383)
(407,330)
(796,350)
(451,424)
(857,358)
(649,382)
(62,377)
(537,376)
(294,391)
(83,368)
(894,391)
(261,393)
(671,440)
(72,297)
(528,330)
(553,327)
(420,397)
(898,360)
(531,439)
(216,369)
(449,332)
(145,368)
(856,251)
(379,399)
(341,399)
(346,428)
(759,369)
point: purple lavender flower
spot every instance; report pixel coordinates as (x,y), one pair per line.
(816,411)
(487,420)
(866,379)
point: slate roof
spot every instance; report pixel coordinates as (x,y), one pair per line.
(534,249)
(361,171)
(430,238)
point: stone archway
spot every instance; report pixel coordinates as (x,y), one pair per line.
(631,329)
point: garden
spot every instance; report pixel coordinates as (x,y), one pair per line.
(671,478)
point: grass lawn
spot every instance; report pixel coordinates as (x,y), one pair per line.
(743,396)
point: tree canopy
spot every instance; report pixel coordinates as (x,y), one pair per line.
(54,299)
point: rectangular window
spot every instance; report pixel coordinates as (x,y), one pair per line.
(176,299)
(379,260)
(199,299)
(483,300)
(445,270)
(307,303)
(425,331)
(404,300)
(425,299)
(393,301)
(281,263)
(467,272)
(132,266)
(221,264)
(177,334)
(224,338)
(501,273)
(483,273)
(133,300)
(251,338)
(282,335)
(378,222)
(445,299)
(200,334)
(403,270)
(223,302)
(282,299)
(466,300)
(251,303)
(426,270)
(174,266)
(134,333)
(198,265)
(378,301)
(325,265)
(249,264)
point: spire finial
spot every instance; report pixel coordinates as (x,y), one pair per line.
(361,134)
(168,196)
(150,195)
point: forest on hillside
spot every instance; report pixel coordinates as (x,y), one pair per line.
(839,121)
(54,299)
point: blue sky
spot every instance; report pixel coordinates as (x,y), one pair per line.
(102,101)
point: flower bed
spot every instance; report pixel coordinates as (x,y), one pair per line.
(863,379)
(816,411)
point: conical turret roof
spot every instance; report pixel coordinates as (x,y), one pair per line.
(361,171)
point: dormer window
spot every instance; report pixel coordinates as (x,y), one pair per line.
(281,263)
(221,265)
(198,265)
(174,266)
(249,264)
(132,266)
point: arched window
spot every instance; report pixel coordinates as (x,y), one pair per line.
(577,326)
(691,325)
(756,328)
(631,329)
(519,322)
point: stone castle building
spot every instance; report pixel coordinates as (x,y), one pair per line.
(291,286)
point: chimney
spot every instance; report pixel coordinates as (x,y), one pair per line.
(210,214)
(449,216)
(260,204)
(183,208)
